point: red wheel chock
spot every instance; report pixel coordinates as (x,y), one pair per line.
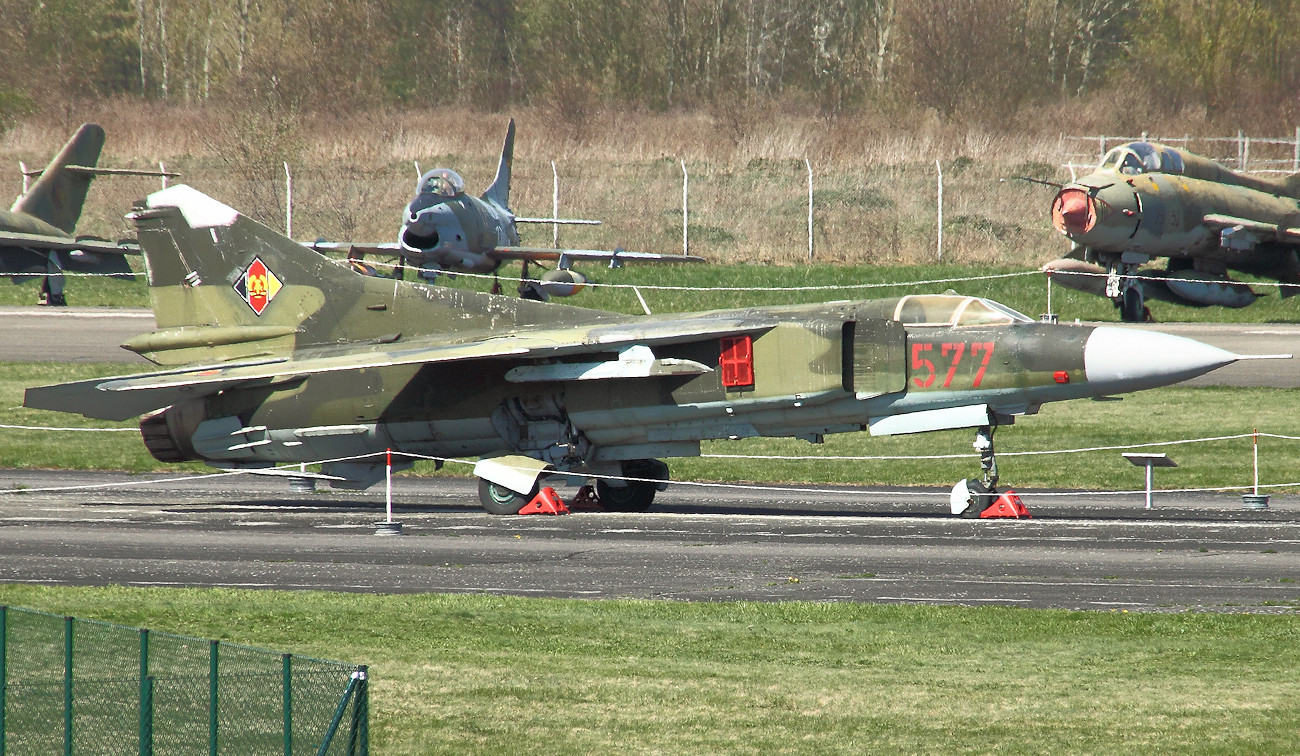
(586,501)
(546,502)
(1008,505)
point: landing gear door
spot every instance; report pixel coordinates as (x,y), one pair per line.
(875,359)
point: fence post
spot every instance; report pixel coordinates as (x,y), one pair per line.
(359,738)
(939,224)
(288,201)
(555,206)
(1295,152)
(22,168)
(214,648)
(287,664)
(810,209)
(4,678)
(1241,154)
(67,686)
(146,697)
(685,211)
(146,718)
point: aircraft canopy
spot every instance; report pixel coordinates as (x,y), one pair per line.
(442,182)
(1142,157)
(954,310)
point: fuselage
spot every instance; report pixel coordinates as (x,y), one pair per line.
(443,228)
(889,366)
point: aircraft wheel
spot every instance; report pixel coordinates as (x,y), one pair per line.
(499,500)
(634,497)
(981,496)
(1131,307)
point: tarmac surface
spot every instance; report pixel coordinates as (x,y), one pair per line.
(1190,552)
(1197,551)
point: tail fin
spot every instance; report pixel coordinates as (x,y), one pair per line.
(225,286)
(499,192)
(60,192)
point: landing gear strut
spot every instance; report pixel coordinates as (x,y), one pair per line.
(1127,294)
(974,495)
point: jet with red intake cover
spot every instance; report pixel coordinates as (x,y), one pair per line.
(1146,201)
(273,356)
(447,231)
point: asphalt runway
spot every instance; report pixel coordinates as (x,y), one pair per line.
(1198,552)
(92,334)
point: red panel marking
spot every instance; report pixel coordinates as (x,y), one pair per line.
(737,361)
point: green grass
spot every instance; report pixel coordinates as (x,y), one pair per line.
(488,674)
(1161,415)
(1020,288)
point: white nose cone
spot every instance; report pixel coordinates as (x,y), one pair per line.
(1120,360)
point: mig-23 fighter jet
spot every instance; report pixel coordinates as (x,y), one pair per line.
(36,235)
(446,230)
(1149,200)
(275,355)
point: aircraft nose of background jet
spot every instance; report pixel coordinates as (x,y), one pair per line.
(1073,211)
(1120,360)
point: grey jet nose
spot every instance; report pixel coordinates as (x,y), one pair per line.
(1120,360)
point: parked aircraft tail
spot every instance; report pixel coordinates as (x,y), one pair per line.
(219,279)
(58,195)
(499,192)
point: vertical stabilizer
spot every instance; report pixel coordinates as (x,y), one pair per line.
(499,192)
(58,195)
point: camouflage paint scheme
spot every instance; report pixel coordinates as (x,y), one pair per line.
(1149,200)
(284,356)
(36,235)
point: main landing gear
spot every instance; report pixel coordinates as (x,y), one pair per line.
(641,480)
(972,496)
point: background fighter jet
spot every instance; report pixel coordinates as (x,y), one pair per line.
(36,234)
(1148,200)
(294,358)
(445,230)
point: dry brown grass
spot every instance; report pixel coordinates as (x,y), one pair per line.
(874,175)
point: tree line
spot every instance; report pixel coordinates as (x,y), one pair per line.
(961,59)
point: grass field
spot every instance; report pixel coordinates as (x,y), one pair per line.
(490,674)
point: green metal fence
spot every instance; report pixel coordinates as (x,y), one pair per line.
(79,686)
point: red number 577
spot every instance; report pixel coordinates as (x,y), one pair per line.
(923,369)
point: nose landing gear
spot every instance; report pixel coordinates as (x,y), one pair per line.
(972,496)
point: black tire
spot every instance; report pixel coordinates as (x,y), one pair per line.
(981,496)
(634,497)
(1131,307)
(499,500)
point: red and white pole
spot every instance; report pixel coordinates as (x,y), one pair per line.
(1255,445)
(388,485)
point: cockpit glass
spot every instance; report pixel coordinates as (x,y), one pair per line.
(1111,160)
(1131,165)
(954,310)
(442,182)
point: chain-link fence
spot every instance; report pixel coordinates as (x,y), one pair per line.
(76,686)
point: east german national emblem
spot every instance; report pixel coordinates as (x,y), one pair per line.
(258,286)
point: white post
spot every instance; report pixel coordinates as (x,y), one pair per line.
(22,167)
(1149,467)
(288,201)
(1101,142)
(1245,154)
(685,211)
(388,486)
(418,172)
(163,170)
(810,209)
(555,206)
(1295,152)
(939,241)
(1049,295)
(1241,138)
(1255,437)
